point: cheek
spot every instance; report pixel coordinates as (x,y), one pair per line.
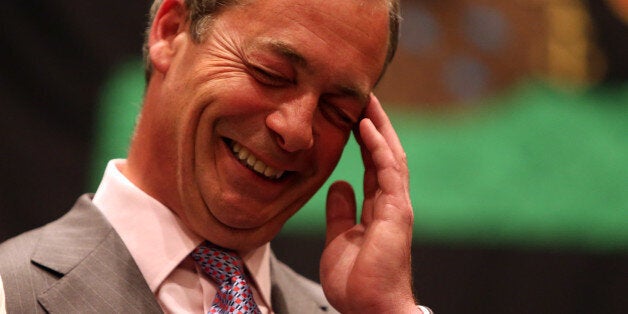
(237,95)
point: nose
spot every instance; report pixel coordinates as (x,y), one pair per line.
(292,124)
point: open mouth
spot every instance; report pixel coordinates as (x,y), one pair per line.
(247,159)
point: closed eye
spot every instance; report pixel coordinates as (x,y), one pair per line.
(269,78)
(337,116)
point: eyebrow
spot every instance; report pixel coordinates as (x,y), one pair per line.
(360,96)
(295,57)
(289,53)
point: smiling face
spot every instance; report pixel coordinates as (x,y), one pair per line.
(239,131)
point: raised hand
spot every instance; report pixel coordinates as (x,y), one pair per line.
(365,267)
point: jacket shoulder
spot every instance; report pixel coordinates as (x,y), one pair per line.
(16,252)
(22,280)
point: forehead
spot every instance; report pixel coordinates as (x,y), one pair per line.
(355,31)
(358,16)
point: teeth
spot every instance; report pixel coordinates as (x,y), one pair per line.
(243,154)
(268,172)
(237,148)
(251,161)
(260,167)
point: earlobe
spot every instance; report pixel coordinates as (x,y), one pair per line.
(169,22)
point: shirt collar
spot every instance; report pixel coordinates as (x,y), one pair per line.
(155,236)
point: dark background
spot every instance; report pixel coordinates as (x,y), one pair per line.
(54,58)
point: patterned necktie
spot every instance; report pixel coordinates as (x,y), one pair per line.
(225,267)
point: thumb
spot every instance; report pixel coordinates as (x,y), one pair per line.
(341,211)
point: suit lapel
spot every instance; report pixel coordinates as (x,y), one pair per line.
(97,272)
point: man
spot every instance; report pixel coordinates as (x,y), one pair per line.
(247,110)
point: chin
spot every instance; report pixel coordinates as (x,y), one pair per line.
(243,240)
(238,218)
(239,233)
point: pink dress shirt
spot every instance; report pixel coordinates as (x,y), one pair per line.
(161,245)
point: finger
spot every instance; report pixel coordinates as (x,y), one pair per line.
(366,156)
(340,210)
(376,113)
(369,182)
(378,116)
(382,175)
(393,199)
(390,173)
(370,172)
(370,185)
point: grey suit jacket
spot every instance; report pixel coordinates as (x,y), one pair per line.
(79,264)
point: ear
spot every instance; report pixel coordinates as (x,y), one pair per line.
(170,21)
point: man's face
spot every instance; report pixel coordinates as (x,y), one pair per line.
(254,118)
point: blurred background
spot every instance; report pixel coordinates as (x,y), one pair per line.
(514,115)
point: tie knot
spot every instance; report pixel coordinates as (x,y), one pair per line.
(219,263)
(226,269)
